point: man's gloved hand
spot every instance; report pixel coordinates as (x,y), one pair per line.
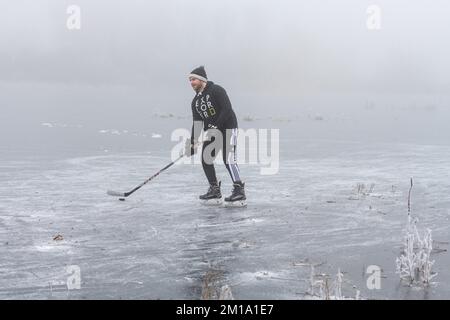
(189,149)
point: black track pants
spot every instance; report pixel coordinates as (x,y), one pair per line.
(228,146)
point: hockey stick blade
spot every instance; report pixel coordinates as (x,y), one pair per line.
(126,194)
(115,193)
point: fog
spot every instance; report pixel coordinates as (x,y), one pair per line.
(356,90)
(131,58)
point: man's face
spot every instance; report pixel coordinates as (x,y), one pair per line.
(196,84)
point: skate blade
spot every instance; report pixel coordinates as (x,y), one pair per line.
(211,202)
(235,204)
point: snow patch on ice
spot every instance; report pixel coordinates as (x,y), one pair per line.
(259,275)
(61,125)
(118,132)
(53,247)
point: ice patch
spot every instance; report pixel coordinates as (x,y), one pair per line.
(127,132)
(259,275)
(61,125)
(53,247)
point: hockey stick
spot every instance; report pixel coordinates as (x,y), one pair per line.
(126,194)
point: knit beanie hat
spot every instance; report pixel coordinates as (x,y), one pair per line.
(199,73)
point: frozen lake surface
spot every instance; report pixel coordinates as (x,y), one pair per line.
(338,205)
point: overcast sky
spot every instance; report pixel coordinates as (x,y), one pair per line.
(323,45)
(130,59)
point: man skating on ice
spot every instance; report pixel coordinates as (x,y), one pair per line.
(212,107)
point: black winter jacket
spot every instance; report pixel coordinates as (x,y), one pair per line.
(213,107)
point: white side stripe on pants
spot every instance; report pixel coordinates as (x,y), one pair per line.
(231,159)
